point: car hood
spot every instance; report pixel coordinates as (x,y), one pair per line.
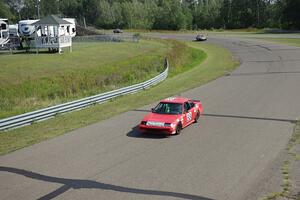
(161,118)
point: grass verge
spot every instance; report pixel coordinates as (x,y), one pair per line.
(286,169)
(218,62)
(227,31)
(29,81)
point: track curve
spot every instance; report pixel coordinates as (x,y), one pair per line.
(248,120)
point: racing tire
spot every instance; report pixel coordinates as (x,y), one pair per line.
(178,129)
(197,117)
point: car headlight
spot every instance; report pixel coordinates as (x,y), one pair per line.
(170,125)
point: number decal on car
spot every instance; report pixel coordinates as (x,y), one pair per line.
(189,116)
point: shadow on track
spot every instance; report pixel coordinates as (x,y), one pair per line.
(262,73)
(138,134)
(248,117)
(241,117)
(89,184)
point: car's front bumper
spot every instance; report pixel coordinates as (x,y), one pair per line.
(157,130)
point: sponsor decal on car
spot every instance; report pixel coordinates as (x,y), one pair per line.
(160,124)
(189,116)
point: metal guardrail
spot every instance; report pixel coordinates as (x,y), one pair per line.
(50,112)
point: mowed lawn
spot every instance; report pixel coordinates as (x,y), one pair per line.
(29,81)
(85,55)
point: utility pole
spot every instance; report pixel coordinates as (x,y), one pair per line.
(38,8)
(58,8)
(258,20)
(229,12)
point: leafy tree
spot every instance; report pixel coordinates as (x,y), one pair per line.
(291,14)
(71,8)
(106,16)
(207,14)
(188,17)
(164,14)
(4,11)
(170,16)
(117,11)
(127,13)
(15,7)
(29,9)
(151,9)
(49,7)
(138,14)
(226,14)
(90,10)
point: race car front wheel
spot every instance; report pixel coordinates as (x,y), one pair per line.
(178,129)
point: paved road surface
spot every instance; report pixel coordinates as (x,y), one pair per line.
(247,123)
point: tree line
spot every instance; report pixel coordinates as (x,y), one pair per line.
(162,14)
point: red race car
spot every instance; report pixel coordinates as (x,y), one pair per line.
(171,115)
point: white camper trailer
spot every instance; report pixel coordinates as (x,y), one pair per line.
(26,28)
(70,29)
(4,32)
(13,30)
(26,33)
(14,37)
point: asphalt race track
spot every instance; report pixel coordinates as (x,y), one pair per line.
(248,120)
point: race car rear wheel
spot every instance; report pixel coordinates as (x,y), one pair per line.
(197,117)
(178,129)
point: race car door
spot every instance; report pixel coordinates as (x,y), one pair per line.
(188,114)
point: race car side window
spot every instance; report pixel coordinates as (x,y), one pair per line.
(186,107)
(192,105)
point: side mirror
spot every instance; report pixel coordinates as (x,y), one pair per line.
(152,109)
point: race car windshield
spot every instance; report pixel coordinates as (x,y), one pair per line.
(168,108)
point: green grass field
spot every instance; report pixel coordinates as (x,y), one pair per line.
(29,81)
(244,30)
(200,70)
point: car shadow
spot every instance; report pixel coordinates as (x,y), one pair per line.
(199,41)
(136,133)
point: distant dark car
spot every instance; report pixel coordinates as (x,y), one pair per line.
(117,30)
(201,37)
